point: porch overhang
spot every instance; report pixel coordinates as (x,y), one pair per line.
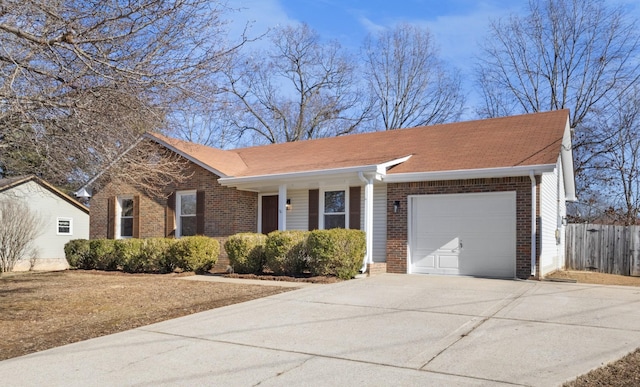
(310,179)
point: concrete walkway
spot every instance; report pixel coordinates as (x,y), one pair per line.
(385,330)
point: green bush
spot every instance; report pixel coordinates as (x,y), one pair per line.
(286,252)
(195,253)
(336,252)
(246,252)
(76,251)
(102,255)
(156,252)
(130,256)
(146,255)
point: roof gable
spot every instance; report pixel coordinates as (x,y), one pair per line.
(221,162)
(9,183)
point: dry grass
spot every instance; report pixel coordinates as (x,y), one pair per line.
(44,310)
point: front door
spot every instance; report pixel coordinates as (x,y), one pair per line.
(269,213)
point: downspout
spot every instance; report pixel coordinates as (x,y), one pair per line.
(368,221)
(532,176)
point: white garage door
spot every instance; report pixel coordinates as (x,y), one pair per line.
(463,234)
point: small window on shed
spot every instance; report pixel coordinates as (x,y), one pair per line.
(64,226)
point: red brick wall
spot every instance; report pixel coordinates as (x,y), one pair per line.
(227,210)
(397,233)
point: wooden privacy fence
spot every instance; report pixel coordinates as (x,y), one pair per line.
(603,248)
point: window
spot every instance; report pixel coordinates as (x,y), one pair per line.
(124,217)
(186,221)
(64,226)
(335,209)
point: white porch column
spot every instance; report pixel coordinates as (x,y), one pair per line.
(368,219)
(282,207)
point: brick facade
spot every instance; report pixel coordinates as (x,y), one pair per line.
(376,268)
(227,210)
(397,230)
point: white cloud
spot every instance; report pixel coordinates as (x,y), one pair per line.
(458,36)
(370,26)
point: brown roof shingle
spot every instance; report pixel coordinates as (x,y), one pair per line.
(529,139)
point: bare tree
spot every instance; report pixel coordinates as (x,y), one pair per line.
(19,227)
(562,54)
(208,124)
(298,89)
(615,165)
(146,166)
(410,85)
(79,81)
(576,54)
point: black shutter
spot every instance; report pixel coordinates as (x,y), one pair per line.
(111,217)
(136,216)
(170,216)
(200,213)
(354,208)
(314,196)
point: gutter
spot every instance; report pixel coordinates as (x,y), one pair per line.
(534,231)
(460,174)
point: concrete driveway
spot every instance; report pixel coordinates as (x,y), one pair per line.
(383,330)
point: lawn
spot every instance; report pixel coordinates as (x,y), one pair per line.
(45,310)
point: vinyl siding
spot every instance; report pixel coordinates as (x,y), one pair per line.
(298,216)
(380,223)
(50,207)
(552,209)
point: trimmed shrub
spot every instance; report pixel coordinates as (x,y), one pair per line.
(146,255)
(156,252)
(195,253)
(286,252)
(102,255)
(76,252)
(246,252)
(130,256)
(336,252)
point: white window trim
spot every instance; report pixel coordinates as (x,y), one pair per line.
(119,200)
(321,212)
(70,220)
(178,214)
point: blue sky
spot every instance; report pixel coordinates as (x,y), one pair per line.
(457,25)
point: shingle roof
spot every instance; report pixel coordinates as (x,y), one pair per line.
(228,163)
(530,139)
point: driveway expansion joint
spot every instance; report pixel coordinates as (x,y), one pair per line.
(467,328)
(316,355)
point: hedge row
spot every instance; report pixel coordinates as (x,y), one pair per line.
(337,252)
(152,255)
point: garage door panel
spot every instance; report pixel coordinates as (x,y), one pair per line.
(425,261)
(483,224)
